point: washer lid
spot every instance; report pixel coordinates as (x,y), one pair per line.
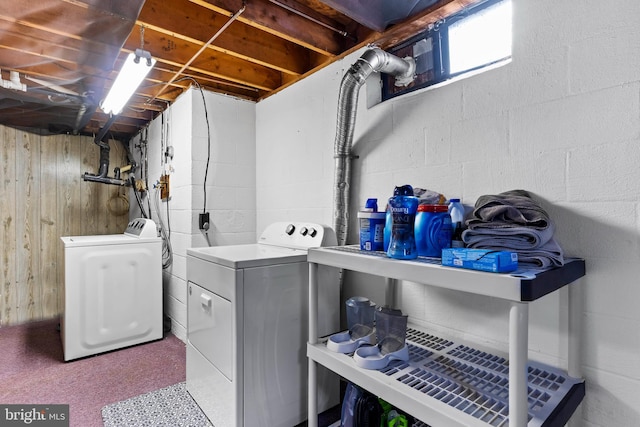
(246,256)
(103,240)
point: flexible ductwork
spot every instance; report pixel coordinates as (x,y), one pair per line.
(373,60)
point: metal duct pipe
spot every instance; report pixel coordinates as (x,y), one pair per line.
(373,60)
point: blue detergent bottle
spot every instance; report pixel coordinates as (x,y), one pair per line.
(456,210)
(403,207)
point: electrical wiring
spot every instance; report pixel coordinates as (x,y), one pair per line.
(144,172)
(206,171)
(206,116)
(165,230)
(139,200)
(163,139)
(165,233)
(205,232)
(146,167)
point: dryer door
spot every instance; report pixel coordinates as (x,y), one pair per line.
(211,327)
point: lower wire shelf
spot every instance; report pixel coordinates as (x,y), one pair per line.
(446,383)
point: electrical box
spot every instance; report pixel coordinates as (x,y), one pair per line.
(164,187)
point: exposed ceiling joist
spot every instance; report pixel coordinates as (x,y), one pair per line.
(68,52)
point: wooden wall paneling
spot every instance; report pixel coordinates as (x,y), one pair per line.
(95,197)
(75,182)
(105,219)
(120,206)
(117,204)
(89,191)
(102,191)
(43,198)
(27,228)
(8,218)
(50,236)
(68,207)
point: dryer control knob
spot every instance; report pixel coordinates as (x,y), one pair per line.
(290,229)
(313,232)
(304,231)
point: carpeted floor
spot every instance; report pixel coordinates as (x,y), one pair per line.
(32,371)
(142,383)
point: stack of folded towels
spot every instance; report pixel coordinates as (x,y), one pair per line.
(513,221)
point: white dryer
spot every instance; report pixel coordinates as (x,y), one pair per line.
(112,290)
(248,327)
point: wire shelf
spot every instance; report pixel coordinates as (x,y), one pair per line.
(476,382)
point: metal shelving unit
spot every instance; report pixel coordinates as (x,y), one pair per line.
(447,383)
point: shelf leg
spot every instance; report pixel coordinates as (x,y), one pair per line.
(575,304)
(312,397)
(391,286)
(574,332)
(518,358)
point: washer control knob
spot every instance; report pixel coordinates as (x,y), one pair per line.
(313,232)
(290,229)
(304,231)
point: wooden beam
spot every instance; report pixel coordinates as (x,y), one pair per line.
(275,20)
(239,39)
(394,35)
(311,15)
(71,20)
(408,28)
(211,63)
(68,48)
(146,108)
(120,126)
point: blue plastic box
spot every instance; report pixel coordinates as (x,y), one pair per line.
(480,259)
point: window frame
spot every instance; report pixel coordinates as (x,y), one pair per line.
(439,35)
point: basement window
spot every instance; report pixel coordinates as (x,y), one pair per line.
(471,40)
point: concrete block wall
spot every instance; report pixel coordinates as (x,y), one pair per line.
(172,128)
(231,176)
(230,186)
(562,120)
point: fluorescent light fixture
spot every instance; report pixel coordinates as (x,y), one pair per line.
(134,70)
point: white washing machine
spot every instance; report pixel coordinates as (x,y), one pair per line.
(248,327)
(112,290)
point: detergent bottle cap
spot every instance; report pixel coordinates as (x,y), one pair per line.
(371,204)
(403,190)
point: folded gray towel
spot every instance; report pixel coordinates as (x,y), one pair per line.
(513,221)
(549,254)
(517,237)
(508,209)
